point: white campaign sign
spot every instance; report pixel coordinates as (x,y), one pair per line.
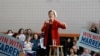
(9,46)
(89,40)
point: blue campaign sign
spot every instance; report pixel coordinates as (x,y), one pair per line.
(89,40)
(9,46)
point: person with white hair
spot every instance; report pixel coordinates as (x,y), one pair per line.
(50,30)
(86,52)
(93,28)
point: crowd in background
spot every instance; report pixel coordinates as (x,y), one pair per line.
(32,42)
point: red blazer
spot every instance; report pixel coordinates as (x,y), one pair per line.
(54,31)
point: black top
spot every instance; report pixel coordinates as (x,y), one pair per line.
(49,41)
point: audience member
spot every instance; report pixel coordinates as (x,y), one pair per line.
(86,52)
(76,49)
(36,42)
(69,44)
(29,32)
(27,43)
(10,33)
(75,40)
(21,36)
(28,46)
(72,53)
(93,28)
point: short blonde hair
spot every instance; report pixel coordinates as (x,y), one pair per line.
(55,13)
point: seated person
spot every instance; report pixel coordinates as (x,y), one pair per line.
(36,42)
(72,52)
(29,32)
(86,52)
(28,46)
(21,36)
(10,33)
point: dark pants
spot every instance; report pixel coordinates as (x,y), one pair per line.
(40,52)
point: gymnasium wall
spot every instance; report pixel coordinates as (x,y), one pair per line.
(77,14)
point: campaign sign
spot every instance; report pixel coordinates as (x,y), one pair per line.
(89,40)
(9,46)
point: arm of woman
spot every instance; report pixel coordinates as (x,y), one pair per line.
(61,25)
(43,27)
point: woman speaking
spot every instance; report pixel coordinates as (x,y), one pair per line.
(50,30)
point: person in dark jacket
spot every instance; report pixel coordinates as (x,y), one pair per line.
(36,43)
